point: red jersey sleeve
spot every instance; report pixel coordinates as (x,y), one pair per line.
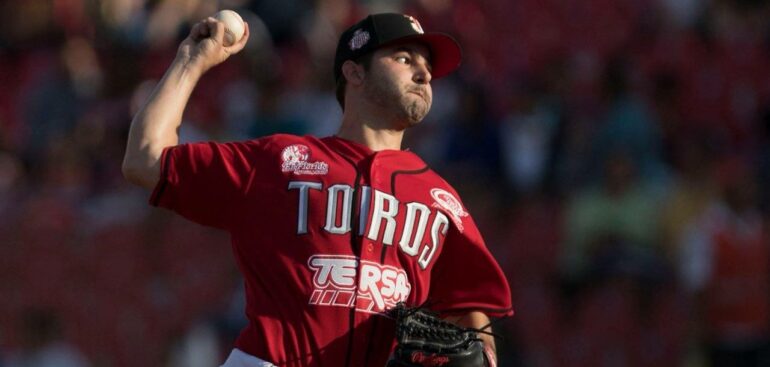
(467,278)
(207,182)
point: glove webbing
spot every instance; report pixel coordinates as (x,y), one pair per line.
(433,323)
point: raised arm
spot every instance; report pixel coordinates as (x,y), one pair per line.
(156,125)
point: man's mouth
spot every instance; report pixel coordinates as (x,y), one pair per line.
(420,93)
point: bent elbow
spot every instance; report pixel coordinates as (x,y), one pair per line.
(141,175)
(129,171)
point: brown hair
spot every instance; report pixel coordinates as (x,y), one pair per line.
(366,61)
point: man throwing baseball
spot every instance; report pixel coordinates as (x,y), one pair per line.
(329,233)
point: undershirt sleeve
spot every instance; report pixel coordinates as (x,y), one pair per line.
(206,182)
(467,278)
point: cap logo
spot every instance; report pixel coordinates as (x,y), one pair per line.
(415,24)
(360,39)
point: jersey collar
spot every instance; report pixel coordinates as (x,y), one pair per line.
(357,151)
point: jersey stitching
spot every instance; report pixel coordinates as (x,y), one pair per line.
(353,234)
(409,172)
(393,192)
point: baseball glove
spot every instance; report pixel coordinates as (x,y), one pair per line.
(426,340)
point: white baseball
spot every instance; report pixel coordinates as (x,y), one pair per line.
(234,27)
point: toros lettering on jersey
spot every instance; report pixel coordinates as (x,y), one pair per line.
(384,218)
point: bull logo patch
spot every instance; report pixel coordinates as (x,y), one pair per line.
(296,159)
(415,24)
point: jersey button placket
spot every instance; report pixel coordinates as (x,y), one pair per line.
(375,171)
(376,183)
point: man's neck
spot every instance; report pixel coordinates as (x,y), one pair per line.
(369,134)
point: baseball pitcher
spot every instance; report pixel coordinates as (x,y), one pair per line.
(338,238)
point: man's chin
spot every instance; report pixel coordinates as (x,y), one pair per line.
(412,123)
(413,120)
(415,113)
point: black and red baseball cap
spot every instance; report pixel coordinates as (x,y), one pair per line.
(385,29)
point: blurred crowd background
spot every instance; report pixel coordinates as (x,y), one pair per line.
(613,152)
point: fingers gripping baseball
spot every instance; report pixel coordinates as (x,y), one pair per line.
(205,48)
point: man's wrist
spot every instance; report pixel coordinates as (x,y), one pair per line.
(490,355)
(189,69)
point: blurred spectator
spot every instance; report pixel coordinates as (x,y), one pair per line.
(526,137)
(692,190)
(270,119)
(11,179)
(471,142)
(199,347)
(627,124)
(764,160)
(724,265)
(43,345)
(682,14)
(49,106)
(612,228)
(615,272)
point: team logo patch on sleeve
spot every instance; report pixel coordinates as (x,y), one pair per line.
(448,202)
(296,159)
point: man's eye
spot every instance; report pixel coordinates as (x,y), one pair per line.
(402,59)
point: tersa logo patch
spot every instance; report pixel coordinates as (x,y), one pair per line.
(379,286)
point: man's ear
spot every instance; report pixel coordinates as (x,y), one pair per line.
(354,73)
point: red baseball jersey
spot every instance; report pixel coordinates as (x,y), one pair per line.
(328,235)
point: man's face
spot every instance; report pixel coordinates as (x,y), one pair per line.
(399,81)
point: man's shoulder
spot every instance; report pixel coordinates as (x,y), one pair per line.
(439,188)
(279,140)
(438,180)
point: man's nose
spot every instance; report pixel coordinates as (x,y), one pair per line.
(422,74)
